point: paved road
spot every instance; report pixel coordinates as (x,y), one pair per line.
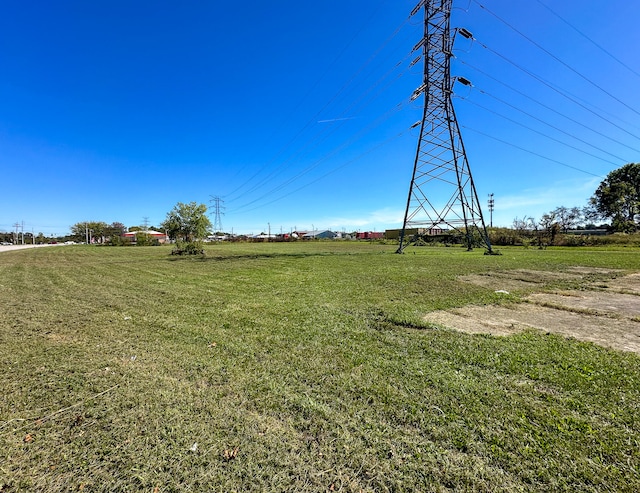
(6,248)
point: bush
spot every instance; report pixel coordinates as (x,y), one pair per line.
(117,240)
(508,237)
(188,248)
(144,239)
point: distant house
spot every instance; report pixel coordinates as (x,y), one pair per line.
(370,235)
(157,235)
(318,235)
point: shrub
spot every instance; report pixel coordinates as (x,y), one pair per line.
(188,248)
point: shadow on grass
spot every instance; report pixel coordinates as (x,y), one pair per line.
(255,256)
(381,321)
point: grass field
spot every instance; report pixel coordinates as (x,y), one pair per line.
(299,367)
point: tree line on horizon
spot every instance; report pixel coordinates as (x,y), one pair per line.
(615,205)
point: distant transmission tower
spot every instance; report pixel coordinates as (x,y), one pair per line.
(217,212)
(442,195)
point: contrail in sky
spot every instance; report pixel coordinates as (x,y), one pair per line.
(337,119)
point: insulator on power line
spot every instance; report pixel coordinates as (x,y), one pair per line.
(418,91)
(417,8)
(419,44)
(415,60)
(464,81)
(415,124)
(464,33)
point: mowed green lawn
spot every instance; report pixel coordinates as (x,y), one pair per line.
(299,367)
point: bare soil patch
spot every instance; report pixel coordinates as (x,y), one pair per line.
(626,284)
(518,279)
(603,312)
(597,302)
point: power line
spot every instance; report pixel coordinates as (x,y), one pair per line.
(546,106)
(314,165)
(540,133)
(558,59)
(597,45)
(551,86)
(334,170)
(315,117)
(327,131)
(530,151)
(356,106)
(550,125)
(315,85)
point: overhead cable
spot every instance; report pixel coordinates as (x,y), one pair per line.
(506,103)
(579,74)
(316,115)
(530,151)
(540,133)
(597,45)
(563,93)
(546,106)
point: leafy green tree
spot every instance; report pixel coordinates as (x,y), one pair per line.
(187,222)
(618,197)
(97,230)
(116,229)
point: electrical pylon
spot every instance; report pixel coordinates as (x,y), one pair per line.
(217,211)
(442,195)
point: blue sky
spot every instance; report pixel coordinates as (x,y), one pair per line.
(297,114)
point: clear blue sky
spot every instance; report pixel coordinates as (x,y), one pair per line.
(297,114)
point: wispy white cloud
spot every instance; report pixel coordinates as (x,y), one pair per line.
(379,220)
(535,201)
(529,202)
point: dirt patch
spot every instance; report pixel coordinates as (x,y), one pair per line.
(596,302)
(592,270)
(626,284)
(622,334)
(603,312)
(519,279)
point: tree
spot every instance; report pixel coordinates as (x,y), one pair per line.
(97,231)
(618,197)
(522,225)
(94,230)
(115,229)
(187,222)
(567,218)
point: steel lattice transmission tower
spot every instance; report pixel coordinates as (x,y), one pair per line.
(442,195)
(217,212)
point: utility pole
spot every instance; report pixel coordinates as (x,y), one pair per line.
(491,203)
(217,212)
(442,196)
